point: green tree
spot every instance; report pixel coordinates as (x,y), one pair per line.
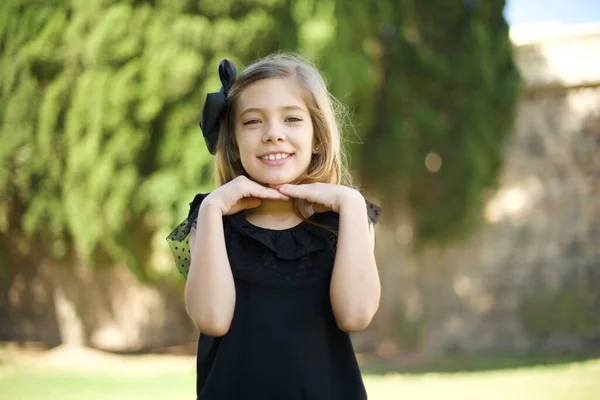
(98,110)
(99,102)
(427,79)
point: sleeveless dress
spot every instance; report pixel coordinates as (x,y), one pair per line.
(283,341)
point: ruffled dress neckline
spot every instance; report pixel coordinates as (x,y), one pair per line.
(288,243)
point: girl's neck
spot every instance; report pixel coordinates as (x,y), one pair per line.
(273,214)
(277,209)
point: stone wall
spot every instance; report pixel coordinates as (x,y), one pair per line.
(106,308)
(529,279)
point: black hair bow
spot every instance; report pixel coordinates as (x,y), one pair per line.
(216,106)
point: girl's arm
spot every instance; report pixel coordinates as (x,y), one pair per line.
(209,290)
(355,288)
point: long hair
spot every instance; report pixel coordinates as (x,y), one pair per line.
(328,165)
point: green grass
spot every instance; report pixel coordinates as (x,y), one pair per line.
(475,363)
(172,378)
(577,381)
(24,385)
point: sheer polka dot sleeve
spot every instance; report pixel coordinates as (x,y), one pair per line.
(373,211)
(179,238)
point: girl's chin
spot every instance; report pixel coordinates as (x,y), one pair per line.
(272,182)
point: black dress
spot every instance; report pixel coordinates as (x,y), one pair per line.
(283,342)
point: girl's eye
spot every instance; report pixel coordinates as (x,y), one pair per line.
(293,119)
(251,121)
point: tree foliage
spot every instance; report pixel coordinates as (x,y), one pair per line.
(433,86)
(99,103)
(99,109)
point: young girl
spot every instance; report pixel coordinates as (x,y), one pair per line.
(279,258)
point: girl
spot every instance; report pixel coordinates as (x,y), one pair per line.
(279,259)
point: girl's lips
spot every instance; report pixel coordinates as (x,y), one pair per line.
(276,163)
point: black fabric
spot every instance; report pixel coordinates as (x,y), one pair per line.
(178,239)
(283,342)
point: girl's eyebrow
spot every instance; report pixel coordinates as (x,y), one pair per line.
(284,108)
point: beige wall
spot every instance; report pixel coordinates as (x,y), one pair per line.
(530,278)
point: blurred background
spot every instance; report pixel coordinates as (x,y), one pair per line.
(474,123)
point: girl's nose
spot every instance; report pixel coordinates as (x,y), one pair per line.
(273,133)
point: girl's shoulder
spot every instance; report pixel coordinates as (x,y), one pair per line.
(193,210)
(318,232)
(373,211)
(179,238)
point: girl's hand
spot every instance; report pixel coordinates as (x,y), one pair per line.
(323,196)
(239,194)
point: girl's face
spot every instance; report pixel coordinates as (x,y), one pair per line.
(274,131)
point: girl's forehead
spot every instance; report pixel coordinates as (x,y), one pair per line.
(272,93)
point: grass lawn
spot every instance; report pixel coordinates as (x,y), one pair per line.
(82,374)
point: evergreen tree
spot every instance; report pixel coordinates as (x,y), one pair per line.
(99,103)
(434,89)
(98,110)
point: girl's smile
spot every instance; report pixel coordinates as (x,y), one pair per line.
(276,158)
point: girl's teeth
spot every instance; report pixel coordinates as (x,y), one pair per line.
(273,157)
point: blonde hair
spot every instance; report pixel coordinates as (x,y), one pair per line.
(328,165)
